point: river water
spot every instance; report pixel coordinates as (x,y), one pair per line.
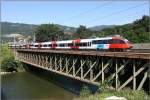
(27,86)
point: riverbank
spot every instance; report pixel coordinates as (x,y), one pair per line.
(126,93)
(3,73)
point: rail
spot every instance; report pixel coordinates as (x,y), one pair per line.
(126,54)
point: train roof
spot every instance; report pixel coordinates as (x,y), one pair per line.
(79,40)
(65,41)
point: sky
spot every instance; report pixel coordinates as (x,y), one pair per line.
(74,13)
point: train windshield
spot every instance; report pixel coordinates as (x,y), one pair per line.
(126,41)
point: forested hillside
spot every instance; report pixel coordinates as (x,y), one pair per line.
(17,28)
(136,32)
(27,29)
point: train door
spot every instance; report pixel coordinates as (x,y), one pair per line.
(75,44)
(39,45)
(53,45)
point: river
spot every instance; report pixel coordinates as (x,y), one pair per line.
(27,86)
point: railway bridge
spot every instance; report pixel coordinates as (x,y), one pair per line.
(121,69)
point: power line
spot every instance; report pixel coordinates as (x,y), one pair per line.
(89,10)
(115,13)
(131,15)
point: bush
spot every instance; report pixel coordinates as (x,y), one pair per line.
(7,60)
(85,92)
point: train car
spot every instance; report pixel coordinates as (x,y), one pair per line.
(111,43)
(63,44)
(107,43)
(14,46)
(44,45)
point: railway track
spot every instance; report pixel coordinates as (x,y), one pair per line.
(127,54)
(139,50)
(129,50)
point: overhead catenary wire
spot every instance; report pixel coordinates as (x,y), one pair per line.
(90,10)
(114,13)
(129,15)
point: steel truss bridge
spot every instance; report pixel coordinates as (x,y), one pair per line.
(122,69)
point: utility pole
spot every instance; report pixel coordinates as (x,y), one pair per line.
(14,40)
(34,37)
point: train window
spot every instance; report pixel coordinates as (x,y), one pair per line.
(89,43)
(31,45)
(110,41)
(83,44)
(65,44)
(96,42)
(100,42)
(45,45)
(116,42)
(70,44)
(121,41)
(61,45)
(104,41)
(36,45)
(50,45)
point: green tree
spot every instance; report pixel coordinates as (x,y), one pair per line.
(7,61)
(83,32)
(48,32)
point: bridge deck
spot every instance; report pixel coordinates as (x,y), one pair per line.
(131,54)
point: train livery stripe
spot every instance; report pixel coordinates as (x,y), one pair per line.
(118,46)
(74,42)
(102,46)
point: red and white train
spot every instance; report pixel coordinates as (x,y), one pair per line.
(107,43)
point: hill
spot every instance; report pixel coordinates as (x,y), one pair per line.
(100,27)
(17,28)
(28,29)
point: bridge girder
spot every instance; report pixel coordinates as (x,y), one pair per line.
(91,69)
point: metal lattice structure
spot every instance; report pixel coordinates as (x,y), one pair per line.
(93,69)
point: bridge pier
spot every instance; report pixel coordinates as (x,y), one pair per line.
(93,69)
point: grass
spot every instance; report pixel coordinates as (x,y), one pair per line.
(127,93)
